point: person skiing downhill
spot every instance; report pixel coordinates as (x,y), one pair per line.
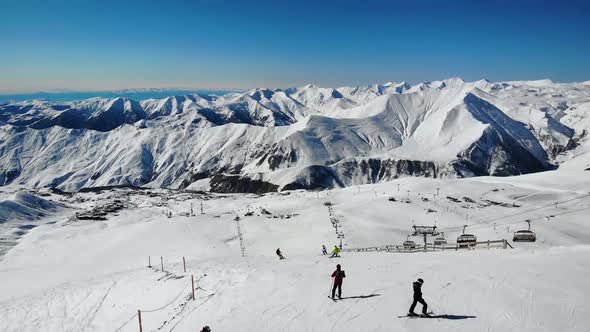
(417,285)
(280,254)
(338,276)
(335,252)
(324,250)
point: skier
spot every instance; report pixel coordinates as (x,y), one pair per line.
(206,329)
(324,250)
(335,252)
(338,276)
(418,298)
(280,254)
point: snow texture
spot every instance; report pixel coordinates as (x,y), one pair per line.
(92,275)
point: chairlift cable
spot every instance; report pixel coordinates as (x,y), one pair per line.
(540,207)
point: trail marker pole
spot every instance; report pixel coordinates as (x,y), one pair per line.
(162,263)
(193,282)
(139,316)
(149,261)
(184,263)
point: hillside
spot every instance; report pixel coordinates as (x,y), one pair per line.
(70,274)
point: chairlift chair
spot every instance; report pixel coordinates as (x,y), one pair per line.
(466,240)
(409,244)
(440,240)
(525,235)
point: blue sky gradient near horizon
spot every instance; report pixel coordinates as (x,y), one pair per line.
(96,45)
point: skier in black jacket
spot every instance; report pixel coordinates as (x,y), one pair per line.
(418,298)
(338,276)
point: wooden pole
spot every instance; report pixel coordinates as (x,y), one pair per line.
(139,316)
(193,282)
(184,263)
(162,263)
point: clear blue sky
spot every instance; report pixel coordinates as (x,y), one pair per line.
(241,44)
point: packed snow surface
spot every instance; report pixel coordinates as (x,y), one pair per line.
(92,275)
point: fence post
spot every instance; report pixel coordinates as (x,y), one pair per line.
(193,282)
(162,263)
(184,263)
(139,316)
(149,261)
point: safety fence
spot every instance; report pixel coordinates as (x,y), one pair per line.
(504,244)
(178,300)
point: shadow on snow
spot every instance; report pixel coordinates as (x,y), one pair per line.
(453,317)
(359,296)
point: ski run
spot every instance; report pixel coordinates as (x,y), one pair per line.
(79,262)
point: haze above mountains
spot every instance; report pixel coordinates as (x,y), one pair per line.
(307,137)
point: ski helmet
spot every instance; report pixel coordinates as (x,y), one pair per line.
(338,266)
(420,280)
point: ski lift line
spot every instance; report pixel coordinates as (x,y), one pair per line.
(169,303)
(127,322)
(540,207)
(481,224)
(531,219)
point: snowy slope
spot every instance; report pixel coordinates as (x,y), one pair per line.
(306,137)
(92,275)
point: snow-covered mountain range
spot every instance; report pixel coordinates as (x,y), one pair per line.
(306,137)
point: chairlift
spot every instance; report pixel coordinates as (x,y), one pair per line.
(466,240)
(525,235)
(440,240)
(409,244)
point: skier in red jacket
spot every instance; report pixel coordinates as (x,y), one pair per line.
(338,276)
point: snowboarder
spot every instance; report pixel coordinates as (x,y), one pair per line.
(280,254)
(338,276)
(418,298)
(335,252)
(324,250)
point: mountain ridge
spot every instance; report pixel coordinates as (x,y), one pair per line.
(306,137)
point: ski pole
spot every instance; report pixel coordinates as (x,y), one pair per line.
(331,287)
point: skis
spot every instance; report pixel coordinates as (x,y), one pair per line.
(428,315)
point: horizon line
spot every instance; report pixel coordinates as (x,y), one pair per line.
(234,89)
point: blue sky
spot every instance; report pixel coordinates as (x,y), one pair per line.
(81,45)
